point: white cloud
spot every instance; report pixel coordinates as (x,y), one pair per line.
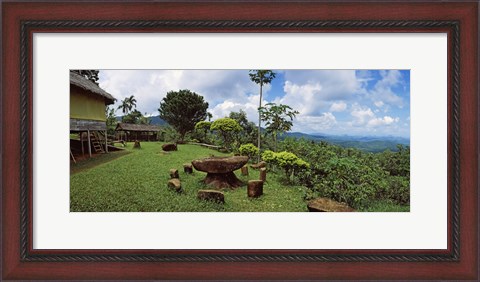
(314,124)
(378,103)
(386,120)
(150,86)
(249,104)
(361,114)
(311,91)
(364,116)
(338,107)
(382,91)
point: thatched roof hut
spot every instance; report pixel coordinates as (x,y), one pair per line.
(137,127)
(92,88)
(139,132)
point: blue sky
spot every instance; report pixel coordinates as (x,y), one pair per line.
(339,102)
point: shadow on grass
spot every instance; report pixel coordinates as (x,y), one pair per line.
(96,160)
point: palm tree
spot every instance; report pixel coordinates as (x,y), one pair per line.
(261,77)
(128,104)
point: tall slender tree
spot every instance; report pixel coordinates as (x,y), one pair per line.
(261,77)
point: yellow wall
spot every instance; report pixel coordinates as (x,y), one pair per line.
(85,105)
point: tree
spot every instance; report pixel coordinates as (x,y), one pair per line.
(203,126)
(225,127)
(182,110)
(248,133)
(91,75)
(128,104)
(261,77)
(278,119)
(111,119)
(133,117)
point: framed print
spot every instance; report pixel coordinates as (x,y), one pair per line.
(92,188)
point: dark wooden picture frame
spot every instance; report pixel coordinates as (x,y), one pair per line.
(21,19)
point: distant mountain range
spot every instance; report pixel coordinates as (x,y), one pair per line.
(365,143)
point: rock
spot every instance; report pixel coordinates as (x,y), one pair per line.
(328,205)
(187,168)
(259,165)
(174,173)
(220,164)
(245,170)
(211,195)
(136,145)
(220,170)
(223,150)
(255,188)
(175,184)
(263,174)
(169,147)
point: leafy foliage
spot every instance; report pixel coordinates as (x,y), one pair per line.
(111,120)
(278,119)
(136,117)
(128,104)
(289,162)
(204,127)
(226,127)
(249,132)
(91,75)
(351,175)
(182,110)
(249,150)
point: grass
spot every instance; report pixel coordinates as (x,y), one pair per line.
(386,206)
(135,181)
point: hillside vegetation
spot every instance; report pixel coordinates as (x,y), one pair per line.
(136,181)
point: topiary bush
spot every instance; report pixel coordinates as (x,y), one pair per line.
(289,162)
(249,150)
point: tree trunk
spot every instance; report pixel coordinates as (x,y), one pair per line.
(275,141)
(259,119)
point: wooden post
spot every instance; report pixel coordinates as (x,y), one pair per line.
(89,147)
(81,139)
(106,142)
(263,174)
(187,168)
(245,170)
(255,188)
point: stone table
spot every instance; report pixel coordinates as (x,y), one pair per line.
(220,170)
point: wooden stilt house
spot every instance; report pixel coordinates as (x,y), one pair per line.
(87,114)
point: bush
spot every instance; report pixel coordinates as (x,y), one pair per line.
(249,150)
(226,127)
(397,190)
(289,162)
(346,180)
(268,156)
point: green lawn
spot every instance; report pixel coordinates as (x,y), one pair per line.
(136,180)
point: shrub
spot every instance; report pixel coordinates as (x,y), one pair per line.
(249,150)
(226,127)
(349,181)
(289,162)
(268,156)
(397,190)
